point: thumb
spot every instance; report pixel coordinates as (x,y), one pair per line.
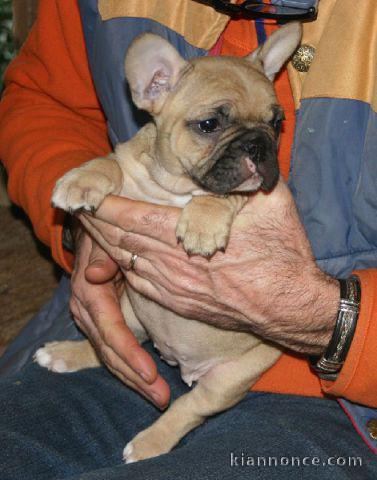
(101,268)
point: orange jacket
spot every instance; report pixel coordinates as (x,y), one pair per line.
(51,121)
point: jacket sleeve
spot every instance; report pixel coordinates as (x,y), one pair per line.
(50,117)
(358,378)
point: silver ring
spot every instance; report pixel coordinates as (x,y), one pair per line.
(131,265)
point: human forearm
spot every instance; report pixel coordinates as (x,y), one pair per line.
(50,119)
(300,312)
(34,163)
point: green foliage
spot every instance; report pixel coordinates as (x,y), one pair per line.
(7,47)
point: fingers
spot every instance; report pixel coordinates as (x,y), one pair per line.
(158,393)
(156,221)
(153,387)
(97,311)
(106,314)
(101,268)
(144,286)
(120,243)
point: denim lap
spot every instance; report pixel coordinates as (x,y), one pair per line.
(56,426)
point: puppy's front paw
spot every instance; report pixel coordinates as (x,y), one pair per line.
(81,189)
(203,231)
(147,444)
(200,239)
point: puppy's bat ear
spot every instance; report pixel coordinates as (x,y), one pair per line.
(272,55)
(153,67)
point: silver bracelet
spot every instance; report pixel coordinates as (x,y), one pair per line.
(330,363)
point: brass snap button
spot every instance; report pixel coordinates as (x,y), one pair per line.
(303,57)
(372,428)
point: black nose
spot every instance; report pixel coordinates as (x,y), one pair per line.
(253,142)
(251,148)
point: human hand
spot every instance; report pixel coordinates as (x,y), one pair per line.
(97,285)
(267,282)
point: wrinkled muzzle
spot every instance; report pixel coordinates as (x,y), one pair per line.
(248,163)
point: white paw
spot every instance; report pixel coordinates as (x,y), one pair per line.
(127,453)
(148,444)
(45,358)
(60,357)
(81,189)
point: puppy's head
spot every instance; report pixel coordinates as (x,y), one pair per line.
(217,118)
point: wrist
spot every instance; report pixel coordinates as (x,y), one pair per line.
(330,363)
(324,312)
(306,314)
(316,316)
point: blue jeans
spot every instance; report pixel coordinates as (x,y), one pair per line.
(55,426)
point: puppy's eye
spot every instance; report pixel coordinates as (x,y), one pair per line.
(277,120)
(209,125)
(276,125)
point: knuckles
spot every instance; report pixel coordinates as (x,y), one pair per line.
(128,241)
(154,218)
(106,337)
(112,235)
(104,353)
(73,307)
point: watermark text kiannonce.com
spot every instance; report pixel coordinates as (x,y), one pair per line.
(242,459)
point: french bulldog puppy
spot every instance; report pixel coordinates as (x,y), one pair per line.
(213,140)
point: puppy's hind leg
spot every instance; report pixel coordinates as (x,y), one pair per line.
(71,356)
(67,356)
(219,389)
